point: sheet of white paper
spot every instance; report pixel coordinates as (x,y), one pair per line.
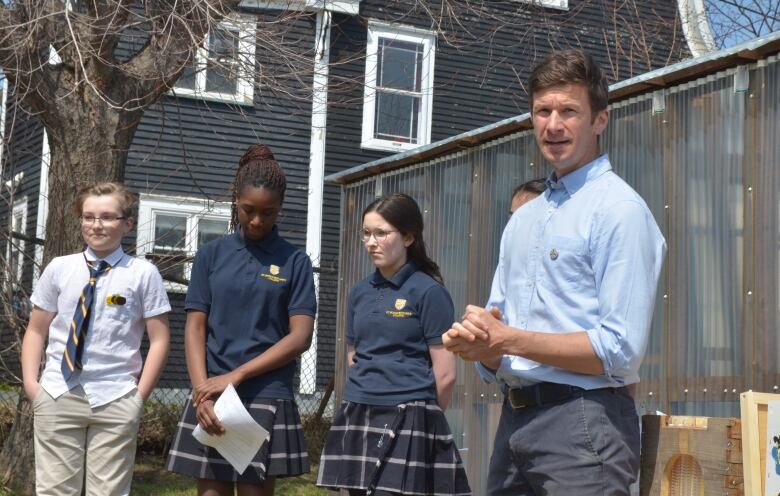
(243,436)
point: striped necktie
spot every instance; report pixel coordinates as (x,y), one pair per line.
(74,349)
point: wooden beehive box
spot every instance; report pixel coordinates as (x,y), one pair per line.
(691,456)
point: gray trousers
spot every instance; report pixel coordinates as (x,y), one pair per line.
(586,445)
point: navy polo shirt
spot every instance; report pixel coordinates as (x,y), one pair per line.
(391,323)
(249,290)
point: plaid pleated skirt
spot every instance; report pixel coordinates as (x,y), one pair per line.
(405,449)
(283,455)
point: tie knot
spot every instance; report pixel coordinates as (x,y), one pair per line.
(101,268)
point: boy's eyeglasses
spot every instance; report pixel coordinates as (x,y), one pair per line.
(379,234)
(88,220)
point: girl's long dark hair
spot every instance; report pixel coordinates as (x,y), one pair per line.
(403,213)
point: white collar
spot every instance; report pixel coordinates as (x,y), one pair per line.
(111,260)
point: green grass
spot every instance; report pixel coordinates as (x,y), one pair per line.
(151,479)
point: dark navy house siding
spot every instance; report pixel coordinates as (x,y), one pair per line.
(21,154)
(480,76)
(190,147)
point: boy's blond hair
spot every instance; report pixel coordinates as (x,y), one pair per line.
(119,191)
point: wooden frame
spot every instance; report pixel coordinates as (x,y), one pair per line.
(753,408)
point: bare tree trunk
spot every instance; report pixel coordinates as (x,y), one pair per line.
(17,460)
(79,157)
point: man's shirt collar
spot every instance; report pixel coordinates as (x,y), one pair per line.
(575,180)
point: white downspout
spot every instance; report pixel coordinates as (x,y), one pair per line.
(319,114)
(696,26)
(43,207)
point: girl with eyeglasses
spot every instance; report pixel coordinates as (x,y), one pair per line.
(390,435)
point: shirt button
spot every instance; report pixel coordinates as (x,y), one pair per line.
(553,254)
(529,282)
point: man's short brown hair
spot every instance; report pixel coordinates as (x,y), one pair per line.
(572,66)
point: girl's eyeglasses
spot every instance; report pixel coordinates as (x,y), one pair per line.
(378,234)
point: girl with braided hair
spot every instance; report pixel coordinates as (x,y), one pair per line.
(250,313)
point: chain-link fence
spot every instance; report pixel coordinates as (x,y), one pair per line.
(313,386)
(163,411)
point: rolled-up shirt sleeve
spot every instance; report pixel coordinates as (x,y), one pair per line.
(628,254)
(497,299)
(487,374)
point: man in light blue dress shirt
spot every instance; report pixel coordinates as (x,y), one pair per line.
(566,326)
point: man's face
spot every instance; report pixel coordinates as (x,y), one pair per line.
(566,131)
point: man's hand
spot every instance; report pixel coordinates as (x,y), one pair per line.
(478,336)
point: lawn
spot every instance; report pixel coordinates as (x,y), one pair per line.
(151,479)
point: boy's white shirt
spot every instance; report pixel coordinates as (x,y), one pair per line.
(112,358)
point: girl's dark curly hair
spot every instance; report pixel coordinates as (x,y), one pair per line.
(257,168)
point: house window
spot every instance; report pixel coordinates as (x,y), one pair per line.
(15,246)
(223,68)
(399,88)
(170,231)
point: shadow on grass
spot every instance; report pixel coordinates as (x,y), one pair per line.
(151,479)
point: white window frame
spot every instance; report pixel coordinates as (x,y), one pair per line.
(552,4)
(3,100)
(194,209)
(350,7)
(376,31)
(244,94)
(19,209)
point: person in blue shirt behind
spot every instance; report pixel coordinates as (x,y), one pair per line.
(568,318)
(526,192)
(390,435)
(250,314)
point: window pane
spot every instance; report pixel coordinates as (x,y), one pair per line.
(222,64)
(209,229)
(16,245)
(187,79)
(399,64)
(169,233)
(396,117)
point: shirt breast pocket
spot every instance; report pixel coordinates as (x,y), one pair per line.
(120,308)
(566,262)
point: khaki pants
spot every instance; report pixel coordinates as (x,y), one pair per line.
(69,432)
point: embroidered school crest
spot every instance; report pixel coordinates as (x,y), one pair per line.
(399,303)
(273,274)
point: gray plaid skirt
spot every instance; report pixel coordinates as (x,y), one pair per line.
(283,455)
(405,449)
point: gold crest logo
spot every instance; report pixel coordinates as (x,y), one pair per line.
(274,269)
(399,303)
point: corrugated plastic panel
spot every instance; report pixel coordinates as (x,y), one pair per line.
(707,166)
